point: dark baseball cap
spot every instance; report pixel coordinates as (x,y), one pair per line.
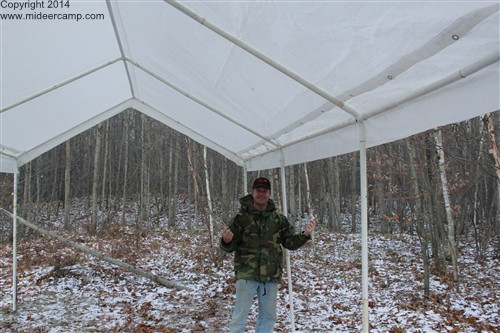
(262,182)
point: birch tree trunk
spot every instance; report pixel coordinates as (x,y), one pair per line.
(209,198)
(495,155)
(95,178)
(309,201)
(452,245)
(475,205)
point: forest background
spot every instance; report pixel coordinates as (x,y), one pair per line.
(442,186)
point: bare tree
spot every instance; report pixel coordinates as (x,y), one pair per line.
(493,151)
(67,187)
(95,178)
(292,199)
(210,222)
(452,245)
(420,218)
(125,146)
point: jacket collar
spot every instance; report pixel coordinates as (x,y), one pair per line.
(247,205)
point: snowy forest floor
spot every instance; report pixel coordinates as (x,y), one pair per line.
(63,290)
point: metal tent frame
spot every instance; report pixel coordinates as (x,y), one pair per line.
(358,117)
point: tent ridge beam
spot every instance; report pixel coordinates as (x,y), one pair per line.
(345,124)
(202,103)
(120,46)
(61,84)
(266,59)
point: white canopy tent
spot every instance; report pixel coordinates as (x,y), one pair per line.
(265,83)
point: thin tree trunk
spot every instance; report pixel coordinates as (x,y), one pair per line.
(190,202)
(336,194)
(170,194)
(431,204)
(381,193)
(446,196)
(67,183)
(292,207)
(125,170)
(309,202)
(104,201)
(144,211)
(193,175)
(476,195)
(224,191)
(209,198)
(299,182)
(55,196)
(38,189)
(104,196)
(95,179)
(27,190)
(332,174)
(495,155)
(354,195)
(421,219)
(174,176)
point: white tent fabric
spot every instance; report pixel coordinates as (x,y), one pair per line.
(318,69)
(265,83)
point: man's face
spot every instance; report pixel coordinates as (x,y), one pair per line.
(261,196)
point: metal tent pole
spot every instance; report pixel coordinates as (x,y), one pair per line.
(14,245)
(364,224)
(287,253)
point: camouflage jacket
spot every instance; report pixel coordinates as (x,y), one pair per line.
(257,241)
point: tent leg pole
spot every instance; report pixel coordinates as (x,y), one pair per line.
(364,224)
(14,245)
(287,253)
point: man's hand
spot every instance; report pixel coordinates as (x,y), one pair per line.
(227,235)
(310,227)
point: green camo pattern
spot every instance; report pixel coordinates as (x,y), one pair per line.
(258,240)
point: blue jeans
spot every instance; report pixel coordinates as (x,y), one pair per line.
(267,293)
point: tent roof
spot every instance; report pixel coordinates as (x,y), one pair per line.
(263,83)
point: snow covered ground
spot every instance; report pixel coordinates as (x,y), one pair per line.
(63,290)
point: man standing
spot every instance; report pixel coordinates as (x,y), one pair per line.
(256,235)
